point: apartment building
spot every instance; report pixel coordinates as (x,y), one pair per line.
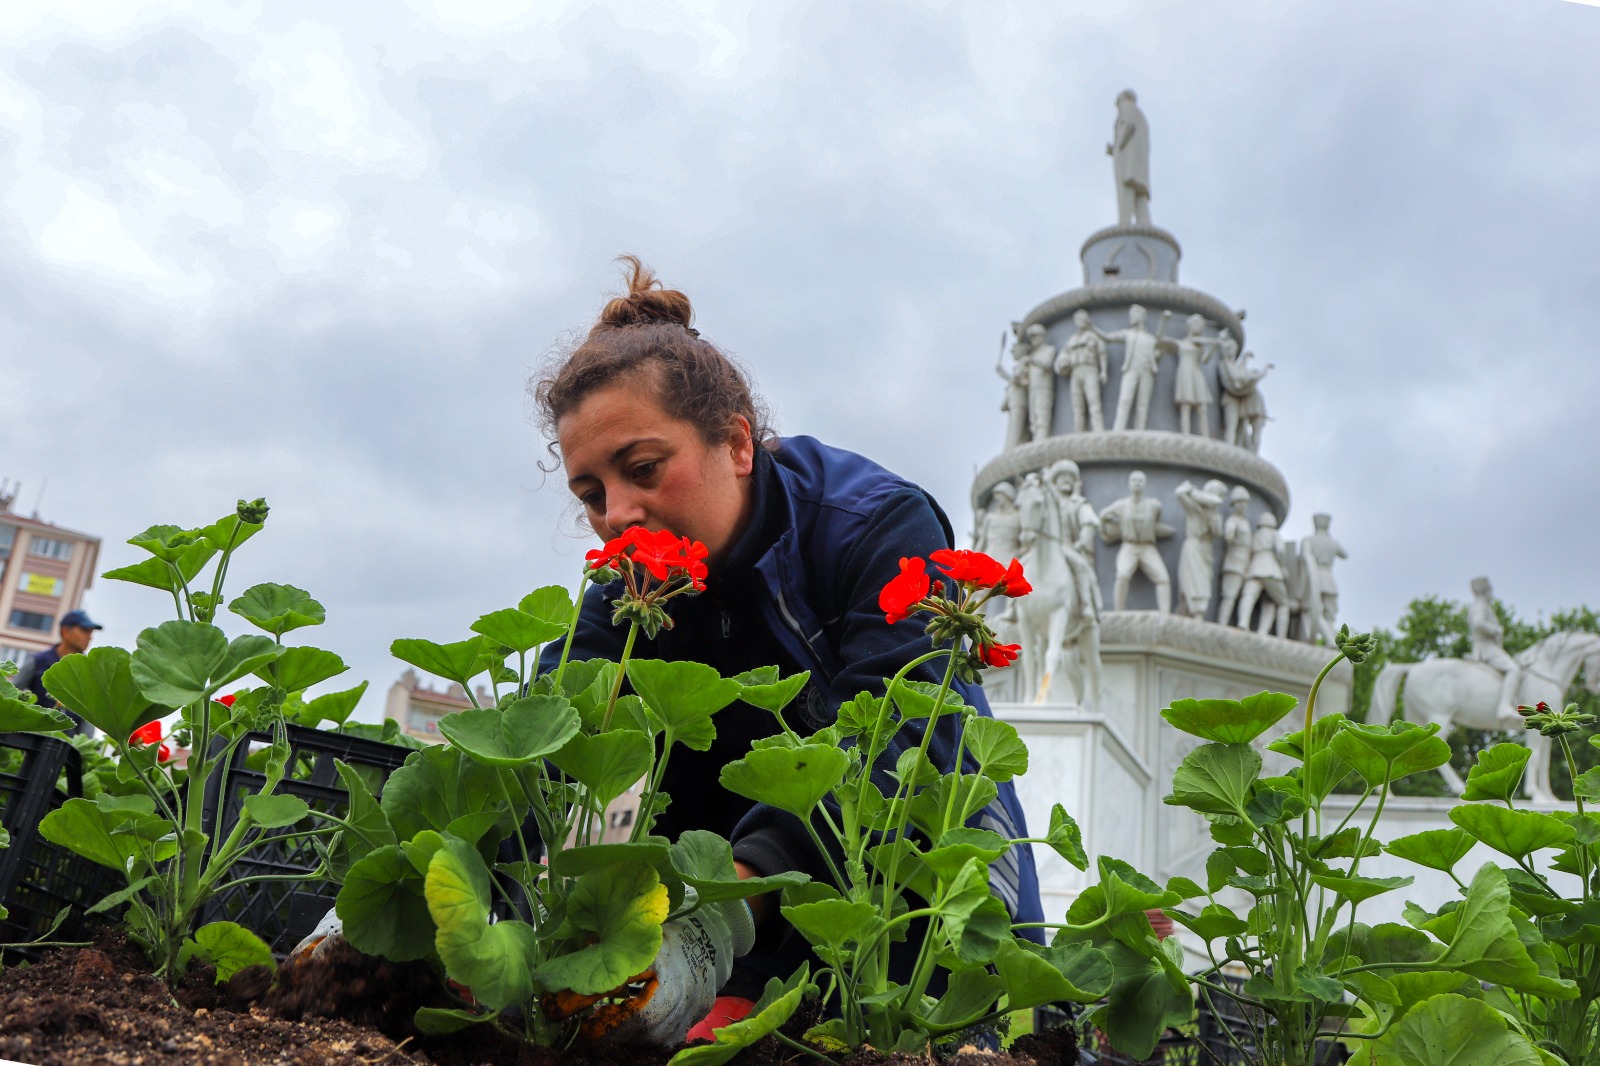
(44,572)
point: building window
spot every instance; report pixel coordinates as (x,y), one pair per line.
(8,537)
(50,548)
(44,623)
(17,657)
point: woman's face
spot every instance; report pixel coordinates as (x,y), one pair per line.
(630,463)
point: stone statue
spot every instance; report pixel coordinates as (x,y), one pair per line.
(1083,363)
(1015,405)
(1135,520)
(1193,394)
(1265,574)
(1141,357)
(1244,412)
(1041,382)
(999,535)
(1322,592)
(1130,160)
(1202,510)
(1447,692)
(1080,525)
(1235,552)
(1488,643)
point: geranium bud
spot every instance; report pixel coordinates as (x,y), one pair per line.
(253,512)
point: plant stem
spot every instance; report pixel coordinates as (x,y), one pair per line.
(572,628)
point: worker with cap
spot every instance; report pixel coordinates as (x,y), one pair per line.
(77,630)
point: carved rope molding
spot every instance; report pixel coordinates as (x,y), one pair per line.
(1153,295)
(1133,230)
(1226,461)
(1129,631)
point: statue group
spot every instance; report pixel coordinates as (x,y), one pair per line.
(1083,363)
(1287,590)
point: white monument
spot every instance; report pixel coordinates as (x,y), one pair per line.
(1088,692)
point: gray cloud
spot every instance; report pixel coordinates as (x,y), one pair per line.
(313,254)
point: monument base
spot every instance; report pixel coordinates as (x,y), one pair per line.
(1110,764)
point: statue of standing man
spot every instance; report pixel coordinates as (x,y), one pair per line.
(1130,160)
(1083,363)
(1141,357)
(1135,520)
(1041,382)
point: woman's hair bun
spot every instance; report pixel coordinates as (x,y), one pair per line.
(647,300)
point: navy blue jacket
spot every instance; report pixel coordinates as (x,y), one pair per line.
(800,590)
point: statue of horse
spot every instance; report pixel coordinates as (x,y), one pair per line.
(1463,692)
(1049,620)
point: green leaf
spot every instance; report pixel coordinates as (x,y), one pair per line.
(968,996)
(1437,849)
(19,717)
(998,749)
(459,662)
(1142,1003)
(1511,832)
(439,785)
(1497,773)
(231,947)
(369,828)
(777,1005)
(705,860)
(607,764)
(790,779)
(518,733)
(100,686)
(1230,721)
(834,924)
(577,861)
(492,960)
(1212,923)
(1127,891)
(383,908)
(773,695)
(228,530)
(517,629)
(299,668)
(1215,778)
(167,543)
(1452,1030)
(275,812)
(441,1021)
(1065,838)
(1359,889)
(156,574)
(1388,753)
(974,792)
(112,834)
(335,707)
(683,696)
(175,661)
(1391,942)
(278,609)
(616,912)
(1078,973)
(552,603)
(961,844)
(1485,942)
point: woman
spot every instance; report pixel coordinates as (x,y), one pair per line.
(655,427)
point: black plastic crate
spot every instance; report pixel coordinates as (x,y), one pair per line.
(282,912)
(38,878)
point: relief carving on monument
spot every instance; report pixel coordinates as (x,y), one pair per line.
(1083,363)
(1202,510)
(1135,522)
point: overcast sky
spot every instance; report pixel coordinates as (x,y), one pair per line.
(312,252)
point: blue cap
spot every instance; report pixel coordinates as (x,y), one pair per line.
(80,619)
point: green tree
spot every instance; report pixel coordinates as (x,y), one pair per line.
(1436,628)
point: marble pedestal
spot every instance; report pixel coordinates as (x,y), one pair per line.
(1110,768)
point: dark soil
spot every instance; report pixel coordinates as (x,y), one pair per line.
(99,1006)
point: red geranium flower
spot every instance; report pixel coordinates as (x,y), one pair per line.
(1014,584)
(658,552)
(150,733)
(999,654)
(227,701)
(969,567)
(905,591)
